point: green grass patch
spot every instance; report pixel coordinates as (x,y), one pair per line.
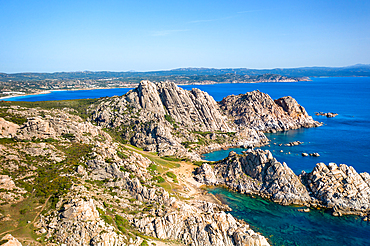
(20,213)
(159,179)
(172,176)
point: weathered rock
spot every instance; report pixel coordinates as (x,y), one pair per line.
(7,129)
(194,227)
(159,117)
(78,223)
(329,114)
(258,111)
(61,126)
(10,241)
(295,143)
(339,187)
(256,172)
(6,182)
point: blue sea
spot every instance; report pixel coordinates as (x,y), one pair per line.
(343,139)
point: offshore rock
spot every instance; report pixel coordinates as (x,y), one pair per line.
(259,111)
(328,115)
(256,172)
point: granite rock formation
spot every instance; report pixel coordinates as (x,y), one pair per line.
(159,117)
(256,172)
(259,111)
(107,194)
(339,188)
(165,118)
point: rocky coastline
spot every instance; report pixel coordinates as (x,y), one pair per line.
(338,188)
(123,174)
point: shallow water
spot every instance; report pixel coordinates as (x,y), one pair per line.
(285,225)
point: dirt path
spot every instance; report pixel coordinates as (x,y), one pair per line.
(33,221)
(43,207)
(186,179)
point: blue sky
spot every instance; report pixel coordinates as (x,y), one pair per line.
(112,35)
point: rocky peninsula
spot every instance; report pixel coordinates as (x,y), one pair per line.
(338,188)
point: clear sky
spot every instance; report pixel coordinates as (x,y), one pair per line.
(113,35)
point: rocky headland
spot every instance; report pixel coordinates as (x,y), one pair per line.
(339,188)
(259,111)
(169,120)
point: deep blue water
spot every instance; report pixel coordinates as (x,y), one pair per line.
(72,94)
(343,139)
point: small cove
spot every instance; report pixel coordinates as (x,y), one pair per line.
(285,225)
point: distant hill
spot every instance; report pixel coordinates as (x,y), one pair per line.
(355,70)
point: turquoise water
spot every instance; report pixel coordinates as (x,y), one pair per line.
(343,139)
(285,225)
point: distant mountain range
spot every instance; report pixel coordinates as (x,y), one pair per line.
(355,70)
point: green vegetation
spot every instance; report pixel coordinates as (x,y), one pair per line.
(173,158)
(172,176)
(79,105)
(116,135)
(159,179)
(69,136)
(105,217)
(144,243)
(198,163)
(171,120)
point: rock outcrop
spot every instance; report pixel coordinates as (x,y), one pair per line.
(328,115)
(339,188)
(256,172)
(217,228)
(165,118)
(7,129)
(9,240)
(104,193)
(257,110)
(159,117)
